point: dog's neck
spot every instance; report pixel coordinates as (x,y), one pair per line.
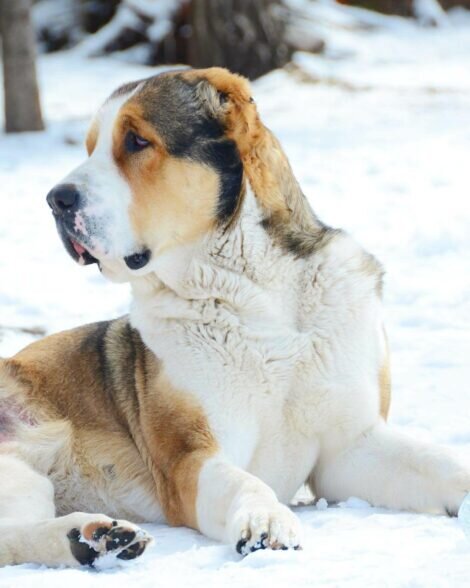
(238,266)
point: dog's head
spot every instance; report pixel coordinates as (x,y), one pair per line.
(168,158)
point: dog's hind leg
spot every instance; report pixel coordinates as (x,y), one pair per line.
(29,533)
(387,468)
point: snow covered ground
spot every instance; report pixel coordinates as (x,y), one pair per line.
(378,131)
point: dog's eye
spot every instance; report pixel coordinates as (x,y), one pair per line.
(135,143)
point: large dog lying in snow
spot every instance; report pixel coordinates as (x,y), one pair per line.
(254,358)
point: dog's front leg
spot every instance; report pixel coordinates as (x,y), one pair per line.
(224,502)
(237,507)
(197,483)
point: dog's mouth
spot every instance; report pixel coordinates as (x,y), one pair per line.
(82,255)
(76,250)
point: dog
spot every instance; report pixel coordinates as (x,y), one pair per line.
(254,358)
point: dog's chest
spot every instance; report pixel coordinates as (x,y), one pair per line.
(272,367)
(258,343)
(276,366)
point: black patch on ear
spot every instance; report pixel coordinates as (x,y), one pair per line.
(191,131)
(223,156)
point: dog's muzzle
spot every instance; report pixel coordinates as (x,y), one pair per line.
(65,202)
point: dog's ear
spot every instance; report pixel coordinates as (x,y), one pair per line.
(228,98)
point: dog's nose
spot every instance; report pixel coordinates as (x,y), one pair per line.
(63,198)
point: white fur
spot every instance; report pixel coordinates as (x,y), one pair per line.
(103,219)
(283,354)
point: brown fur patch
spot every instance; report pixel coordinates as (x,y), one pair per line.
(385,387)
(85,379)
(54,371)
(88,530)
(371,266)
(104,382)
(174,199)
(92,137)
(179,440)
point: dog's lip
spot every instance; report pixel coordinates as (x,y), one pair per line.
(78,251)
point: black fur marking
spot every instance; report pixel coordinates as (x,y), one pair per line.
(263,540)
(116,345)
(262,543)
(121,352)
(297,241)
(95,342)
(190,130)
(132,551)
(223,157)
(124,350)
(240,545)
(82,552)
(99,532)
(117,537)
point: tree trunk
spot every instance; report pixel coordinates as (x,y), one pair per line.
(446,4)
(247,36)
(22,105)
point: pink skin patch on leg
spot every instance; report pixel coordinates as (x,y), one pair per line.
(12,412)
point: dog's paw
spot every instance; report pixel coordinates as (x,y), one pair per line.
(104,537)
(267,528)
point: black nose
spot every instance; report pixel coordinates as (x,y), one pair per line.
(63,198)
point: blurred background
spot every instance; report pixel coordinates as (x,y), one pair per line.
(371,101)
(251,37)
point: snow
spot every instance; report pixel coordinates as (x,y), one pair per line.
(378,133)
(429,12)
(129,16)
(464,515)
